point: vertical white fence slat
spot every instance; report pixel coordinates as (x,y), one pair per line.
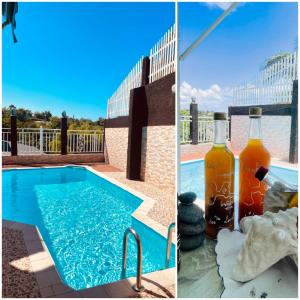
(162,63)
(118,103)
(162,58)
(273,85)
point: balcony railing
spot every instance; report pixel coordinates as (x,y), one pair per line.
(205,130)
(48,141)
(87,141)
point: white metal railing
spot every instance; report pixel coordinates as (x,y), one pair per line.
(162,62)
(162,56)
(118,103)
(6,141)
(38,140)
(47,141)
(205,130)
(273,85)
(85,141)
(185,124)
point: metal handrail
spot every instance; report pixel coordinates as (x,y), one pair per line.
(169,243)
(138,287)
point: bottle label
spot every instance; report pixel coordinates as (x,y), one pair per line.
(220,205)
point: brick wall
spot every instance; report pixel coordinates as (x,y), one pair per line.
(276,132)
(116,140)
(158,156)
(52,159)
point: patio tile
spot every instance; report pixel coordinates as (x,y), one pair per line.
(42,264)
(34,246)
(47,278)
(96,292)
(61,288)
(31,235)
(119,289)
(39,256)
(18,226)
(47,292)
(69,295)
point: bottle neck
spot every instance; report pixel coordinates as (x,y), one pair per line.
(220,132)
(255,129)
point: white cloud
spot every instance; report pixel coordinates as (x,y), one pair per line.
(214,98)
(221,5)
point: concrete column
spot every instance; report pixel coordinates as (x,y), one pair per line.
(64,136)
(145,70)
(137,119)
(138,114)
(293,156)
(194,123)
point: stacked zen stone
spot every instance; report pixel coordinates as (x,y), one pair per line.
(191,222)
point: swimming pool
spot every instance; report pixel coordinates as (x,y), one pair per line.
(192,177)
(82,218)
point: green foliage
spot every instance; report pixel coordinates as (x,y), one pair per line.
(5,118)
(28,119)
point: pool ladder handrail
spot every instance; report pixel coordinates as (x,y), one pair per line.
(171,229)
(138,287)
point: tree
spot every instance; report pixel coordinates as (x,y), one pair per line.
(27,119)
(45,115)
(23,115)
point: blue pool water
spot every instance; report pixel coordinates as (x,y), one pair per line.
(192,177)
(82,218)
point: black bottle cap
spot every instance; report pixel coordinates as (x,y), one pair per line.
(255,112)
(220,116)
(261,173)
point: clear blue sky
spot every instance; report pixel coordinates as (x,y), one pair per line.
(72,56)
(235,51)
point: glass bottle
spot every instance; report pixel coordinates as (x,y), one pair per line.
(219,182)
(254,155)
(288,190)
(270,178)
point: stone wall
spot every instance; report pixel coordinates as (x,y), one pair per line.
(52,159)
(158,163)
(276,132)
(116,140)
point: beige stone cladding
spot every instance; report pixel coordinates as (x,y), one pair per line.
(276,131)
(158,156)
(116,140)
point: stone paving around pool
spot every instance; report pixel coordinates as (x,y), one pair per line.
(163,209)
(17,277)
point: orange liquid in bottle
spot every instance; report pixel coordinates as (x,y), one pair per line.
(219,183)
(251,190)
